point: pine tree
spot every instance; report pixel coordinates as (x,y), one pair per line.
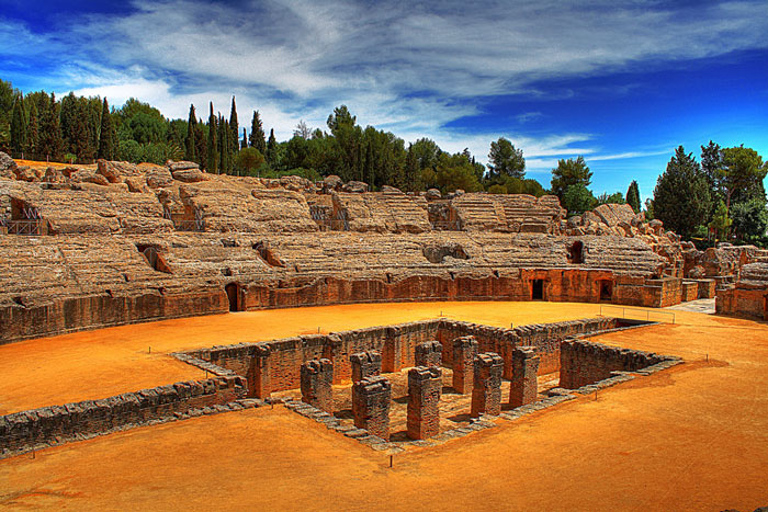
(633,196)
(33,131)
(213,147)
(107,135)
(18,128)
(411,170)
(234,133)
(258,139)
(190,142)
(271,147)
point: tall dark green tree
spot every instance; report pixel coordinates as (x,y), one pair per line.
(244,142)
(412,171)
(191,146)
(224,146)
(51,142)
(18,128)
(504,160)
(234,132)
(568,173)
(271,155)
(633,196)
(33,131)
(213,146)
(107,134)
(681,198)
(257,139)
(742,175)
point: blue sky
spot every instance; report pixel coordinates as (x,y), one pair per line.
(621,82)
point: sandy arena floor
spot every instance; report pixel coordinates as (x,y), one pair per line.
(691,438)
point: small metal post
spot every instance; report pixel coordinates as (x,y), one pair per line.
(391,461)
(149,351)
(596,395)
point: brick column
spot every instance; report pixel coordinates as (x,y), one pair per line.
(523,388)
(365,364)
(424,389)
(392,352)
(259,381)
(486,393)
(316,380)
(429,353)
(371,400)
(464,352)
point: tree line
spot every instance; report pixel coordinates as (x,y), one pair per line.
(723,194)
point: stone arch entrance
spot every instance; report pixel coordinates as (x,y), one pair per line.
(606,290)
(537,289)
(234,295)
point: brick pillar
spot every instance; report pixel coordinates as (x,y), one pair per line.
(316,380)
(486,393)
(365,364)
(464,352)
(523,388)
(371,400)
(425,385)
(429,353)
(392,351)
(259,381)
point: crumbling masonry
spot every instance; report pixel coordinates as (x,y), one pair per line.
(486,393)
(371,400)
(424,390)
(316,380)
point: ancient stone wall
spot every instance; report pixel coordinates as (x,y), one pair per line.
(429,353)
(49,425)
(583,362)
(464,352)
(365,364)
(523,387)
(316,380)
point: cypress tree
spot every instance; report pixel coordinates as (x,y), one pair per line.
(633,196)
(190,142)
(107,134)
(33,131)
(223,145)
(18,128)
(213,148)
(234,132)
(682,199)
(244,143)
(258,138)
(51,142)
(271,147)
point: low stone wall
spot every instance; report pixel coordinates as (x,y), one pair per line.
(690,291)
(741,300)
(23,431)
(583,362)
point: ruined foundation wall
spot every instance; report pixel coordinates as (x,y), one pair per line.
(584,362)
(25,430)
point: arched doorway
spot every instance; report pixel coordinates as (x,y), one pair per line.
(606,290)
(537,289)
(233,295)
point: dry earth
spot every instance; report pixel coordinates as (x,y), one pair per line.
(691,438)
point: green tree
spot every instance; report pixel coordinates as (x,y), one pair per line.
(712,165)
(107,134)
(568,173)
(51,142)
(455,172)
(578,199)
(7,98)
(742,175)
(18,128)
(505,160)
(257,139)
(213,147)
(750,219)
(681,198)
(191,146)
(33,130)
(633,196)
(721,222)
(412,171)
(271,155)
(234,133)
(606,198)
(249,159)
(224,153)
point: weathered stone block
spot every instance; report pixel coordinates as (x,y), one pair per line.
(486,392)
(464,352)
(429,353)
(371,401)
(365,364)
(424,390)
(316,381)
(523,388)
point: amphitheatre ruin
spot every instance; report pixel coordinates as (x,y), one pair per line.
(171,338)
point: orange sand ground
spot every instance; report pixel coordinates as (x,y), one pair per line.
(691,438)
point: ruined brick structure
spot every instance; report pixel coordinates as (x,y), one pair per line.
(464,352)
(583,362)
(371,401)
(126,243)
(486,392)
(424,390)
(429,353)
(316,380)
(523,387)
(365,364)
